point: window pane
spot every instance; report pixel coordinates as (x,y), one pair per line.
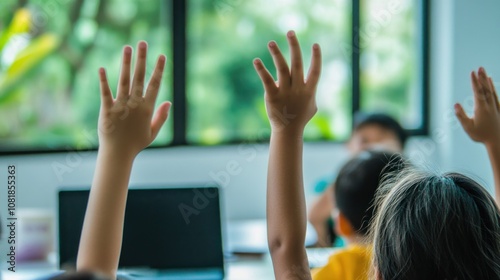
(50,52)
(225,95)
(391,60)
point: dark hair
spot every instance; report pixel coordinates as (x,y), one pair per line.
(77,276)
(357,182)
(383,120)
(436,227)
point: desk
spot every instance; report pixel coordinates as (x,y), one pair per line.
(250,236)
(241,268)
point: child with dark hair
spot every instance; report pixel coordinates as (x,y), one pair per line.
(444,226)
(433,226)
(426,226)
(79,276)
(376,130)
(355,189)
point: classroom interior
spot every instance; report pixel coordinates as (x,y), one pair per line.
(220,140)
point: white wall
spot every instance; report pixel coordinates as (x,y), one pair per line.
(244,192)
(464,36)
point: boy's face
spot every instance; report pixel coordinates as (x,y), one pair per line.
(373,136)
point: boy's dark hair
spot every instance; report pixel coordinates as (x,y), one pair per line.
(383,120)
(431,226)
(357,183)
(77,276)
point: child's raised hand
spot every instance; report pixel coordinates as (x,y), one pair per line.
(290,102)
(484,126)
(126,123)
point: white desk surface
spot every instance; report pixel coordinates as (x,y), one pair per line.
(241,269)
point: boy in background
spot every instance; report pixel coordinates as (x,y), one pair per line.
(370,131)
(355,189)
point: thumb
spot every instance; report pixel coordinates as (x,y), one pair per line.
(465,121)
(159,118)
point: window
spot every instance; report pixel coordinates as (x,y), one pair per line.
(382,73)
(392,60)
(49,55)
(224,93)
(374,59)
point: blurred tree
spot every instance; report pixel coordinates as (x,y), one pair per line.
(49,55)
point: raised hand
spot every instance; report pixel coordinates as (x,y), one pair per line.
(126,126)
(484,126)
(126,123)
(290,102)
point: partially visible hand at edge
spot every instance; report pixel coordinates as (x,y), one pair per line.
(484,126)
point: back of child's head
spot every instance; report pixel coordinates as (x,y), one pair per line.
(357,182)
(436,227)
(78,276)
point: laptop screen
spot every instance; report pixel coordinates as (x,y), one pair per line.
(164,228)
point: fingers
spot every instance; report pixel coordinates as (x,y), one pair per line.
(266,77)
(140,69)
(315,68)
(159,118)
(124,83)
(106,95)
(297,71)
(155,81)
(280,63)
(476,87)
(484,85)
(494,91)
(465,121)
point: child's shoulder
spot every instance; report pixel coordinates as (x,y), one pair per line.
(352,253)
(351,262)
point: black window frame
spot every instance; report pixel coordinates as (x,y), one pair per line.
(179,14)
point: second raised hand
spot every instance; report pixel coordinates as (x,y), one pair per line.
(126,124)
(484,126)
(290,102)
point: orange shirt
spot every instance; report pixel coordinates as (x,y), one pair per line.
(351,263)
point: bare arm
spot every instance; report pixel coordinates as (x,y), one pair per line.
(494,155)
(126,126)
(484,126)
(319,214)
(290,104)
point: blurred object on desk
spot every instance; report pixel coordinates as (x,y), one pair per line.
(318,257)
(250,236)
(34,234)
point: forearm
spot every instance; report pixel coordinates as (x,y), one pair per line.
(100,243)
(322,233)
(319,214)
(286,211)
(494,155)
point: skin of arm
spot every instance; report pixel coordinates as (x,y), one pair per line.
(126,126)
(290,104)
(319,214)
(484,126)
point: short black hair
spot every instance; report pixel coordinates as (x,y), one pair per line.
(383,120)
(77,276)
(358,181)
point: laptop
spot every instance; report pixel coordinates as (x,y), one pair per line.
(169,233)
